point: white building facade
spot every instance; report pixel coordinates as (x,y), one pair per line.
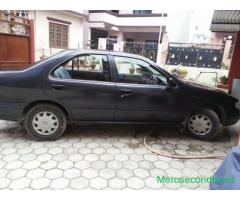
(132,26)
(57,30)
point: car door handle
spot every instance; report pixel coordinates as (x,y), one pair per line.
(125,93)
(58,87)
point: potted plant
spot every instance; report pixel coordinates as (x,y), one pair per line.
(132,69)
(223,80)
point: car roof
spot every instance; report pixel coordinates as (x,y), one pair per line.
(114,53)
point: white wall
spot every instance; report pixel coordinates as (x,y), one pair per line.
(127,21)
(183,26)
(178,26)
(42,31)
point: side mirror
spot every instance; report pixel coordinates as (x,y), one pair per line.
(171,83)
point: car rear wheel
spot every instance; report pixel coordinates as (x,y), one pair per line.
(202,124)
(45,122)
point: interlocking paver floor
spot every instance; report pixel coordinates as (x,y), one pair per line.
(103,157)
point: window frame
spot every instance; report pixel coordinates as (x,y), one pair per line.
(53,44)
(109,71)
(143,85)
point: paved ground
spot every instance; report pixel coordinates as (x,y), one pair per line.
(102,157)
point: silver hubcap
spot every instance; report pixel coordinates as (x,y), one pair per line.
(45,123)
(200,124)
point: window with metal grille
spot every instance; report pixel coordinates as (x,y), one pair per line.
(58,36)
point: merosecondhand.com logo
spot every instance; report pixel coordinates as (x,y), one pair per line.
(199,179)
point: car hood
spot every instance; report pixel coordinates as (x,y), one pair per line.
(209,90)
(200,86)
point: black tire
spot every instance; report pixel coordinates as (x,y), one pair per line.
(48,110)
(211,119)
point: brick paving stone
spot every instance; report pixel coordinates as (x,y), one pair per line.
(151,182)
(44,157)
(162,164)
(176,164)
(21,183)
(141,173)
(98,183)
(106,157)
(191,164)
(102,158)
(17,173)
(31,164)
(28,157)
(89,173)
(55,150)
(4,182)
(82,164)
(40,183)
(135,183)
(70,151)
(99,164)
(171,172)
(121,157)
(117,183)
(79,183)
(190,172)
(59,157)
(91,157)
(13,165)
(50,164)
(11,157)
(114,164)
(3,173)
(24,151)
(65,165)
(54,173)
(99,151)
(124,173)
(35,173)
(40,150)
(136,157)
(75,157)
(107,173)
(72,173)
(60,183)
(146,165)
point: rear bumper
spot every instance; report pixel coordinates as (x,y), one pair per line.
(10,111)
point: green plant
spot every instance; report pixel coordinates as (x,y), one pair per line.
(223,66)
(224,80)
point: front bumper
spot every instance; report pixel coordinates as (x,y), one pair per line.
(232,117)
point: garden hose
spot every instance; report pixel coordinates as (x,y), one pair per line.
(167,154)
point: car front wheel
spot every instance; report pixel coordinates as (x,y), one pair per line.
(45,122)
(202,124)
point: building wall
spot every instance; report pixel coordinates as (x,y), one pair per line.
(184,26)
(218,38)
(41,22)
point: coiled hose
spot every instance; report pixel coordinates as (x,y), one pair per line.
(166,154)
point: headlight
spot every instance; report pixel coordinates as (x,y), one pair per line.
(238,105)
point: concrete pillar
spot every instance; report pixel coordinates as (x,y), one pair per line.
(234,71)
(159,46)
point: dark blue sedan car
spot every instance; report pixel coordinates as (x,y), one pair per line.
(89,87)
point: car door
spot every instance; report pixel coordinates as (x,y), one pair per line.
(143,94)
(83,84)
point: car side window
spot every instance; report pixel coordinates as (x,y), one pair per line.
(131,70)
(84,67)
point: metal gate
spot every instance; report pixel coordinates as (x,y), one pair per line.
(146,49)
(195,55)
(16,42)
